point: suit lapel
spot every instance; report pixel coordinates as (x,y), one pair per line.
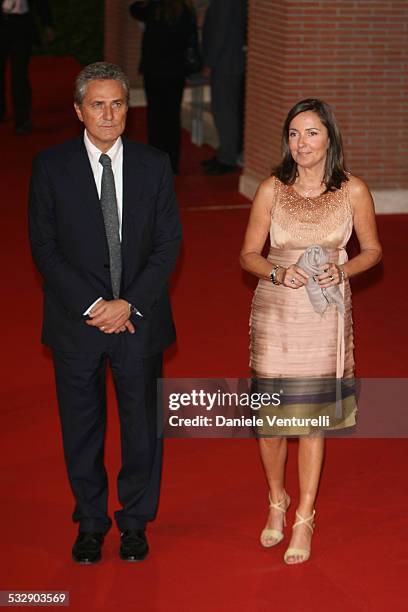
(133,188)
(84,183)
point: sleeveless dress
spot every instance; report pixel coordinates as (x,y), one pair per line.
(288,339)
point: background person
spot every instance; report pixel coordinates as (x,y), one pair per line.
(169,26)
(223,41)
(17,33)
(309,200)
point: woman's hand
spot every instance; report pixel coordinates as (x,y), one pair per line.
(331,274)
(294,277)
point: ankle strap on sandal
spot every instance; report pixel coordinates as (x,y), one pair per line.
(309,521)
(280,505)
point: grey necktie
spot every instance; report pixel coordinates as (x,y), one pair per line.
(111,219)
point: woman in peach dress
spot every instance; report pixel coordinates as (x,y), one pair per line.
(309,200)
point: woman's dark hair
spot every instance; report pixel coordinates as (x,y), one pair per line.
(335,171)
(169,10)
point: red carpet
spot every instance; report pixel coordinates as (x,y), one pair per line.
(205,554)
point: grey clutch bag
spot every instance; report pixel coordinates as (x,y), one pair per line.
(312,258)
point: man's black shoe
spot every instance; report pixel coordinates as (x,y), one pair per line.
(206,163)
(134,546)
(87,547)
(219,168)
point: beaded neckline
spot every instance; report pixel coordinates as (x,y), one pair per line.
(309,220)
(311,199)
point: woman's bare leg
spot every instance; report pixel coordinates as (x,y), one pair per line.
(273,454)
(311,452)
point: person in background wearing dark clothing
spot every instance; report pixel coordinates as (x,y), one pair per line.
(224,36)
(17,34)
(169,25)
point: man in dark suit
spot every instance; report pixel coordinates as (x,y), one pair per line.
(223,41)
(17,34)
(105,233)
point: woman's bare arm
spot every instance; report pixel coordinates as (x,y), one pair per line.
(257,231)
(365,228)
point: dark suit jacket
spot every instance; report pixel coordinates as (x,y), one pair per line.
(224,36)
(41,7)
(164,44)
(70,249)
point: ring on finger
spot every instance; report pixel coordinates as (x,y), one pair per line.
(293,280)
(331,277)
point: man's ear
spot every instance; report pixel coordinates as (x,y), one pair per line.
(78,112)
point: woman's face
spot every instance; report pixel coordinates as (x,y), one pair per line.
(308,140)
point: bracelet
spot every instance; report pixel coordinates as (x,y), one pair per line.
(272,275)
(342,275)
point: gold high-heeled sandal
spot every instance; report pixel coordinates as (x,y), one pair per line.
(266,534)
(303,553)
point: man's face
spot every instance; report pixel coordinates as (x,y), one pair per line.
(103,112)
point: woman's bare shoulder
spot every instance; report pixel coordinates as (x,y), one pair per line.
(267,188)
(361,199)
(269,184)
(357,186)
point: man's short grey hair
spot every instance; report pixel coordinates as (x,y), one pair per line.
(99,71)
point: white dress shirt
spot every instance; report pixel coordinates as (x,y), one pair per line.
(116,155)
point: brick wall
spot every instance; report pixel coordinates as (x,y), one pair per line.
(352,54)
(122,39)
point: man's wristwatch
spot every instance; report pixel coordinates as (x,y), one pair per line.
(132,309)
